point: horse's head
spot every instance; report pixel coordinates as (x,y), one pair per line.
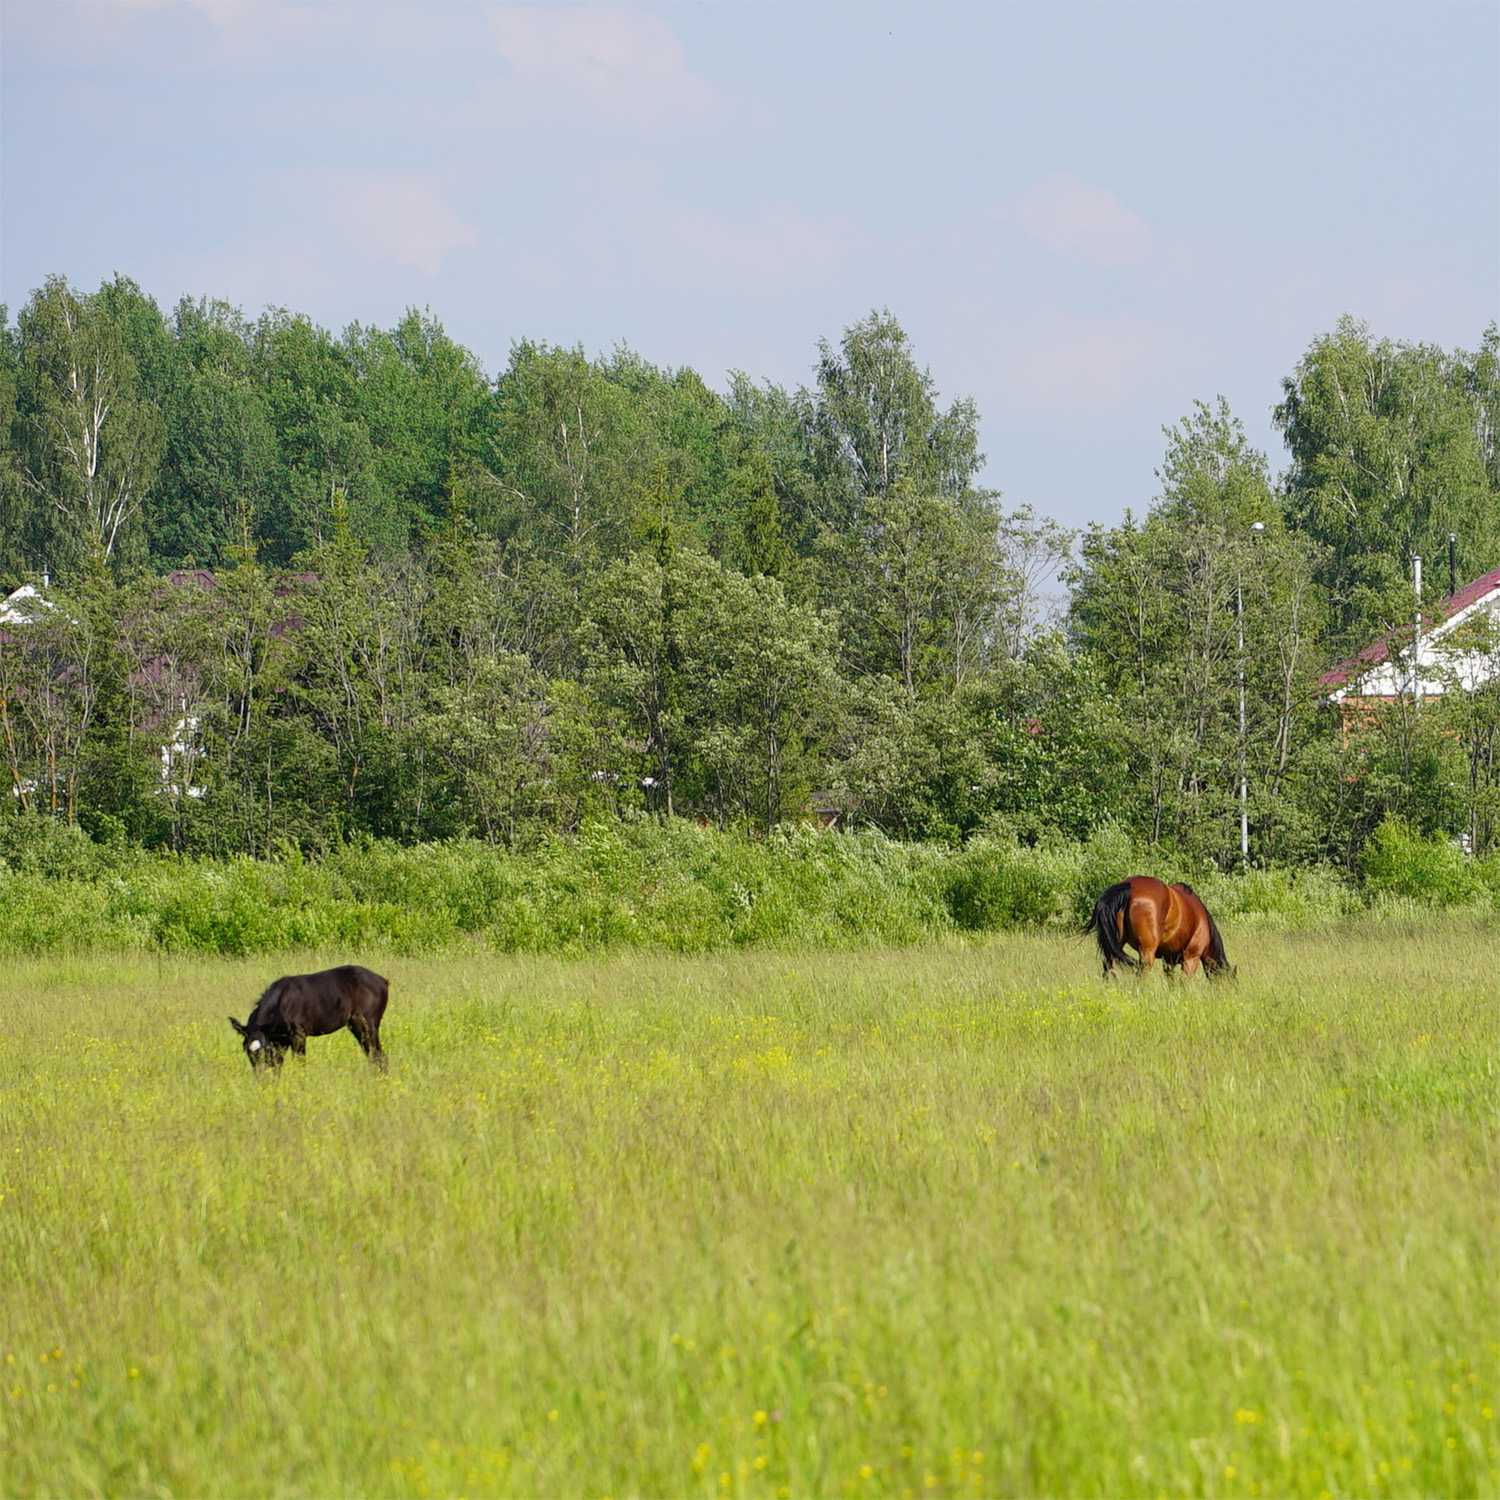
(262,1050)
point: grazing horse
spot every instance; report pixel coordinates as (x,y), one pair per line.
(302,1005)
(1157,919)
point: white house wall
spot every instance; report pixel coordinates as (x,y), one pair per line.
(1472,669)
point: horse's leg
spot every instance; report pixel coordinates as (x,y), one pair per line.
(1195,951)
(299,1043)
(377,1052)
(359,1029)
(1147,929)
(367,1034)
(376,1019)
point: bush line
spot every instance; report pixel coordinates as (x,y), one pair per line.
(671,887)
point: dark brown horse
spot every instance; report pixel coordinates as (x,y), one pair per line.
(302,1005)
(1163,921)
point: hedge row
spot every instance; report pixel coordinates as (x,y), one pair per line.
(673,887)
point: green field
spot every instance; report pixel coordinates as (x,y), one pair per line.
(955,1220)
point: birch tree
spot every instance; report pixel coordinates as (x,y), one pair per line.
(91,444)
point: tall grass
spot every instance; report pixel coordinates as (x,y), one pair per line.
(959,1221)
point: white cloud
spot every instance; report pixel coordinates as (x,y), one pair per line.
(637,234)
(1071,363)
(1077,219)
(330,244)
(626,64)
(402,216)
(221,12)
(778,249)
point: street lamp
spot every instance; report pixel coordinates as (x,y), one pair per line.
(1256,529)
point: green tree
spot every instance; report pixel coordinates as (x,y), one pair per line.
(356,682)
(771,474)
(918,585)
(426,406)
(90,442)
(760,689)
(53,670)
(1388,455)
(1033,552)
(685,427)
(1033,747)
(577,456)
(1468,714)
(1481,377)
(18,540)
(219,469)
(1162,606)
(875,425)
(490,736)
(326,457)
(629,651)
(269,777)
(908,543)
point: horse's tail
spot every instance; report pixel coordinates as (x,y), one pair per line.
(1106,926)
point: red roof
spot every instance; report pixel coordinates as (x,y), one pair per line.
(1377,651)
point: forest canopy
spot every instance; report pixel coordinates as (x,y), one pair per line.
(303,587)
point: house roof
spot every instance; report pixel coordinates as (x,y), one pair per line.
(22,605)
(181,577)
(1379,650)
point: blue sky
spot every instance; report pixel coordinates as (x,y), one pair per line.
(1086,216)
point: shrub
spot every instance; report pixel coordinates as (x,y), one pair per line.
(1287,898)
(38,915)
(641,884)
(1110,854)
(36,845)
(1399,862)
(994,886)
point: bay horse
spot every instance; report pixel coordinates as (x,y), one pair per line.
(298,1006)
(1157,920)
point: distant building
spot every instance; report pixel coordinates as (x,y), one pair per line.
(168,715)
(1388,668)
(23,605)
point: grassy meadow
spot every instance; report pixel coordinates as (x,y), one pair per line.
(956,1220)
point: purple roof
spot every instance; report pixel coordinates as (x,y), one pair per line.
(283,586)
(1378,650)
(181,577)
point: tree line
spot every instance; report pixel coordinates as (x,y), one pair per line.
(306,587)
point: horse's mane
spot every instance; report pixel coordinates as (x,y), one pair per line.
(264,1003)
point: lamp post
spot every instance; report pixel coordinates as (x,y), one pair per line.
(1416,635)
(1256,528)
